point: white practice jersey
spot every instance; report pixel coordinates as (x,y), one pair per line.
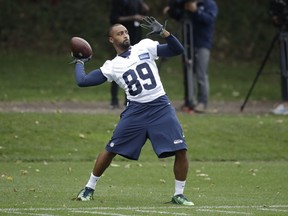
(138,73)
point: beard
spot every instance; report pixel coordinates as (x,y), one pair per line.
(125,44)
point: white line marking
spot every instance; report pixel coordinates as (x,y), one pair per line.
(234,207)
(25,213)
(144,208)
(99,213)
(161,212)
(273,209)
(222,211)
(156,210)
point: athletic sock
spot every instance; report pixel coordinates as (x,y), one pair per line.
(92,181)
(179,187)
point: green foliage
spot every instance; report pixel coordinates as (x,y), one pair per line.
(46,27)
(243,29)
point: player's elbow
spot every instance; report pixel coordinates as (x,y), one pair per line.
(81,83)
(180,50)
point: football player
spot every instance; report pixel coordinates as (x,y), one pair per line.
(148,114)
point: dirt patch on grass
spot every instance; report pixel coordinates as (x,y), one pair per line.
(215,107)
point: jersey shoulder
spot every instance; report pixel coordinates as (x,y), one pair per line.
(147,45)
(106,70)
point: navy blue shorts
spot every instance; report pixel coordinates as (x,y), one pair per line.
(156,121)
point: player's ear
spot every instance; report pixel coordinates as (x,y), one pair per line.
(110,39)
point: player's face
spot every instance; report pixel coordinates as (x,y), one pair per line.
(119,37)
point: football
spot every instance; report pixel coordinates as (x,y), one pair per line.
(80,48)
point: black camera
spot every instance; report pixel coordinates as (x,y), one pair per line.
(176,10)
(279,13)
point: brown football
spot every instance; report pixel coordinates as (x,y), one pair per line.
(80,48)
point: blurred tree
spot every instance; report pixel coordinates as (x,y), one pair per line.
(243,28)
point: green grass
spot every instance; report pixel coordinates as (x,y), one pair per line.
(64,137)
(237,166)
(33,77)
(222,188)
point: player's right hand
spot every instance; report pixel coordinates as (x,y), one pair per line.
(79,60)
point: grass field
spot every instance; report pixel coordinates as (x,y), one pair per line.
(238,163)
(142,188)
(237,167)
(33,77)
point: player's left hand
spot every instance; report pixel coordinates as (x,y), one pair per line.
(154,25)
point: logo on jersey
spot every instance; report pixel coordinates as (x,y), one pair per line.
(144,56)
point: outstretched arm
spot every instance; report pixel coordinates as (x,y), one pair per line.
(93,78)
(173,47)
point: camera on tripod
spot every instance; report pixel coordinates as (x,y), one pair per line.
(177,8)
(279,13)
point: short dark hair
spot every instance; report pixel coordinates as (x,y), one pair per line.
(110,29)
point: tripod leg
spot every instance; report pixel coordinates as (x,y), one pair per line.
(188,59)
(259,71)
(283,38)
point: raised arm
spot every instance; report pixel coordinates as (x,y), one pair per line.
(173,47)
